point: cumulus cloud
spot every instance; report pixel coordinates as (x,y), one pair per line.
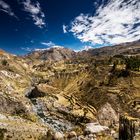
(84,48)
(6,8)
(35,12)
(44,49)
(49,45)
(64,28)
(117,21)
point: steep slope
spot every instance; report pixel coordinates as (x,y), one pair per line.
(54,53)
(17,118)
(132,48)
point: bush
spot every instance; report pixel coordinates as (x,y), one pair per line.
(4,62)
(2,132)
(132,63)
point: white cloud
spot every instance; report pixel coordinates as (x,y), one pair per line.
(55,46)
(26,49)
(87,47)
(116,22)
(64,28)
(37,49)
(49,44)
(6,8)
(84,48)
(35,12)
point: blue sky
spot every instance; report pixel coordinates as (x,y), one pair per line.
(26,25)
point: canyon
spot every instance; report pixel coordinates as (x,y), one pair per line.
(60,94)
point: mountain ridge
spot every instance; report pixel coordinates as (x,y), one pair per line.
(58,54)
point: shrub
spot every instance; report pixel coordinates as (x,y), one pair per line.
(4,62)
(132,63)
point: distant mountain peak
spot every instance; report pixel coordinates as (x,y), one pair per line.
(56,53)
(45,49)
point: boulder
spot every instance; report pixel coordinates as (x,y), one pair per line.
(72,135)
(58,136)
(107,115)
(93,128)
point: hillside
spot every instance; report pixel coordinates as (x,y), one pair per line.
(131,48)
(54,53)
(69,95)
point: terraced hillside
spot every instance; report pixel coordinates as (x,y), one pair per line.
(68,98)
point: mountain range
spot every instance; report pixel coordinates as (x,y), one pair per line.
(60,53)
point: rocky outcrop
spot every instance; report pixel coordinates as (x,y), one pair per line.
(107,115)
(128,127)
(34,92)
(12,106)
